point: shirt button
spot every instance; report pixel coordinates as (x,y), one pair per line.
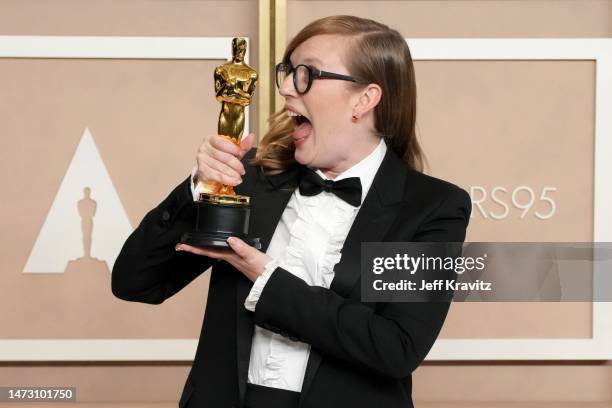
(165,215)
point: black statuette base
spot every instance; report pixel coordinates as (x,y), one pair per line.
(216,222)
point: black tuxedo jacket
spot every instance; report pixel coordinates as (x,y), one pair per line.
(362,354)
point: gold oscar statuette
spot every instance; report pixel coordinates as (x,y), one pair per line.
(221,212)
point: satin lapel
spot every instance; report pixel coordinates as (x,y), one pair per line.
(269,197)
(373,220)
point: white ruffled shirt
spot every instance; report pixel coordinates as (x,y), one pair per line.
(307,243)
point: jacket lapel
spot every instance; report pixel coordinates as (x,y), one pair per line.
(269,197)
(373,220)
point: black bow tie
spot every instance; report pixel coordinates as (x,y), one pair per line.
(348,189)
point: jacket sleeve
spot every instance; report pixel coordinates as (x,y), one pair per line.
(390,340)
(148,269)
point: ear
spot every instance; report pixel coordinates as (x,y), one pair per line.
(369,98)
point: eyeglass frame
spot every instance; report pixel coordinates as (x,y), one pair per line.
(313,72)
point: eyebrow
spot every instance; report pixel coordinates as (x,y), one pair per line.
(311,60)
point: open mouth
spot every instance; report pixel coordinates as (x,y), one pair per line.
(297,118)
(300,120)
(303,127)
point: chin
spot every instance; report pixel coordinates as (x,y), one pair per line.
(301,157)
(304,155)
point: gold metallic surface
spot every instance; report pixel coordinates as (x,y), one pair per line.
(267,90)
(225,198)
(279,37)
(235,83)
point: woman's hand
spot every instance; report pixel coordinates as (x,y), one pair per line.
(218,159)
(248,260)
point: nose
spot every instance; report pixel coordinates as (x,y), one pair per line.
(286,87)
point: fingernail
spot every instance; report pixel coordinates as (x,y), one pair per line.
(178,248)
(230,240)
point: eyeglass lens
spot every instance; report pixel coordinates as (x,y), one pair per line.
(301,77)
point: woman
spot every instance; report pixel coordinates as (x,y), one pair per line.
(284,326)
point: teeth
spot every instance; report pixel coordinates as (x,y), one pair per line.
(290,113)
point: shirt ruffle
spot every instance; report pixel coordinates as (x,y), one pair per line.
(274,365)
(299,258)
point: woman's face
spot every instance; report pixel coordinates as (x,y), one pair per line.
(325,136)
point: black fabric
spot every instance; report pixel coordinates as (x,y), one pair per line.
(348,189)
(258,396)
(362,355)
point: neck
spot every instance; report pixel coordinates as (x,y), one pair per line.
(360,153)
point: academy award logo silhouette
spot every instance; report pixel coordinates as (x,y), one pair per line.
(86,224)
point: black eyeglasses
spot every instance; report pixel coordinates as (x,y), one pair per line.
(303,75)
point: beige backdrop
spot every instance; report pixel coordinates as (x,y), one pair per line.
(147,118)
(512,124)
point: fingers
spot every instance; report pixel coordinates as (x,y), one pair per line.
(228,159)
(240,247)
(218,171)
(216,253)
(247,143)
(207,174)
(221,143)
(218,160)
(236,245)
(248,260)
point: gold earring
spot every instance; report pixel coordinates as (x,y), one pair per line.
(354,119)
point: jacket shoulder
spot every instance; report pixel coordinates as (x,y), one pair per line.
(430,185)
(439,197)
